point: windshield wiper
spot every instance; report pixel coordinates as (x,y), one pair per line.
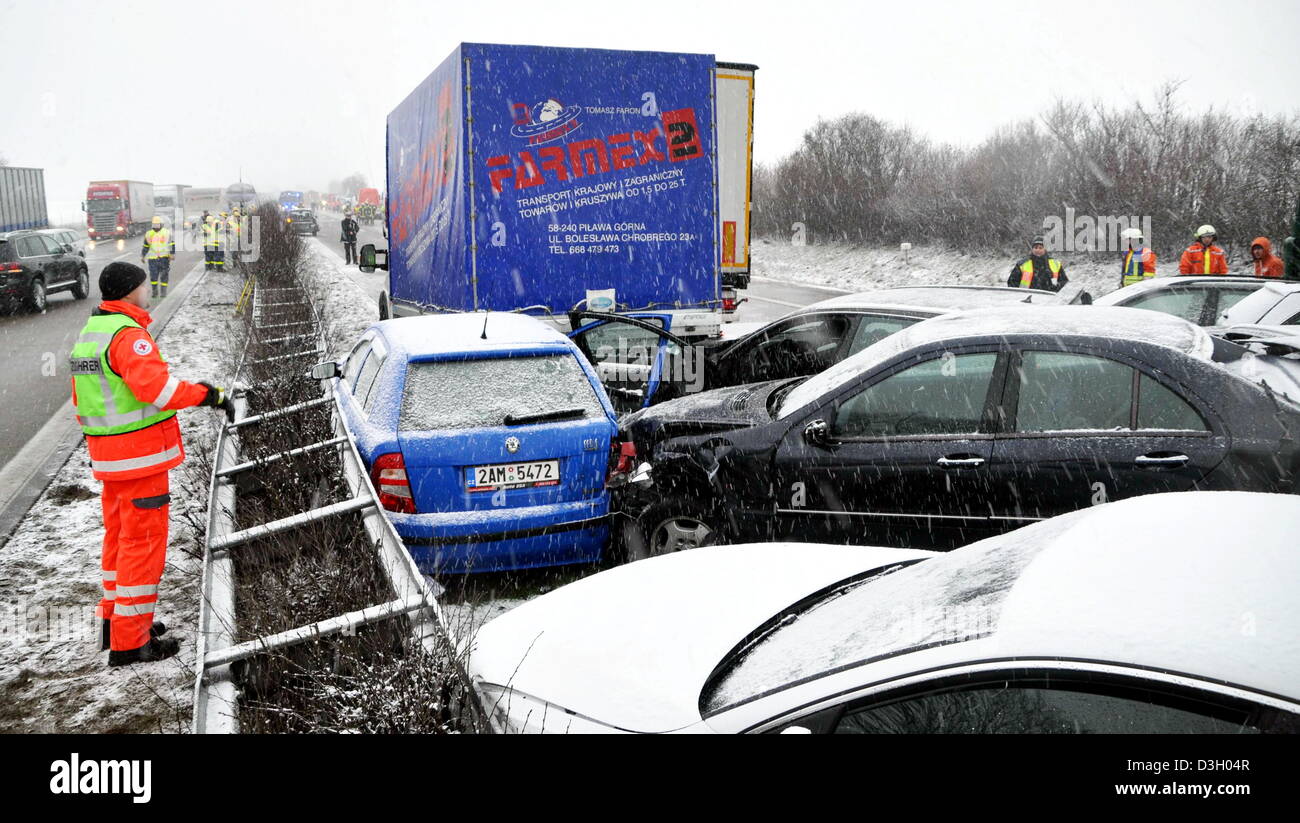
(541,417)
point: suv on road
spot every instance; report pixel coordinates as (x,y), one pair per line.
(303,221)
(34,264)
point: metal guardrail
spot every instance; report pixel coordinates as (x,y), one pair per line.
(216,706)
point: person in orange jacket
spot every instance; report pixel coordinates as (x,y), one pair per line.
(1203,256)
(1267,264)
(126,403)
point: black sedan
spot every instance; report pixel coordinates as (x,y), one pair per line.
(303,221)
(960,427)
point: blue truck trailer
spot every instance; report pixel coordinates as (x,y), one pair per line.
(556,179)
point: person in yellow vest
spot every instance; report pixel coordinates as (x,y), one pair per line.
(1137,263)
(158,248)
(211,245)
(1038,271)
(126,400)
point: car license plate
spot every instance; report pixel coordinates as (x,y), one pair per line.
(513,475)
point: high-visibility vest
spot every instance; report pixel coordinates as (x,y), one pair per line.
(1027,272)
(1135,269)
(211,235)
(159,243)
(105,404)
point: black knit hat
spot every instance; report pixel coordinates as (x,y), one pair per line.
(117,280)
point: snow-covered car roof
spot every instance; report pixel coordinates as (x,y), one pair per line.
(632,647)
(1158,283)
(1114,323)
(932,299)
(1254,308)
(462,333)
(1192,583)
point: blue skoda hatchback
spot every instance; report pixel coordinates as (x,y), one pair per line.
(488,437)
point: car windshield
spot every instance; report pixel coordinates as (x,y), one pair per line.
(101,206)
(471,394)
(951,598)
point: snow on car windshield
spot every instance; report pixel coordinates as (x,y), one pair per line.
(469,394)
(951,598)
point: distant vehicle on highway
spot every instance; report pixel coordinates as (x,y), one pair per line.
(241,194)
(1120,619)
(303,221)
(35,264)
(22,199)
(73,239)
(487,436)
(962,426)
(290,200)
(118,208)
(1196,299)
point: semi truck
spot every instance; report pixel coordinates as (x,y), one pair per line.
(22,199)
(169,203)
(118,208)
(559,180)
(199,200)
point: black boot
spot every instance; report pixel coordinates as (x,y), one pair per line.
(156,649)
(158,629)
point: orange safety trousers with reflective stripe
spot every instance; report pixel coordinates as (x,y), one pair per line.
(135,551)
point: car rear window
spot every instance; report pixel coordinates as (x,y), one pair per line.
(470,394)
(6,251)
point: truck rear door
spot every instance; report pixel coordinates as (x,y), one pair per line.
(735,109)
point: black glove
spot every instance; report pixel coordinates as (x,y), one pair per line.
(217,398)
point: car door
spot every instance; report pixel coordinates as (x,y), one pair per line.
(62,267)
(37,259)
(794,347)
(1085,427)
(638,361)
(903,459)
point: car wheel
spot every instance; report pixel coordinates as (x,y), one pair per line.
(36,299)
(673,525)
(81,289)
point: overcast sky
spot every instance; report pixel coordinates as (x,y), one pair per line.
(295,93)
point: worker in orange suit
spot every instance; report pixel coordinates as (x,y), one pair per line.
(1204,256)
(126,403)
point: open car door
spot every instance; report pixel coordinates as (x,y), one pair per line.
(637,359)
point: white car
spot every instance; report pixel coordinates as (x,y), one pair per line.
(1274,304)
(1165,613)
(1195,298)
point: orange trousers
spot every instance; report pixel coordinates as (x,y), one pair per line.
(135,551)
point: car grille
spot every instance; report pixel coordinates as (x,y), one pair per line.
(105,222)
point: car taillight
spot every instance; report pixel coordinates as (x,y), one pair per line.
(11,267)
(728,304)
(622,458)
(388,473)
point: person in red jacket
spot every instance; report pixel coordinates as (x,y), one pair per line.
(1203,256)
(1267,264)
(126,403)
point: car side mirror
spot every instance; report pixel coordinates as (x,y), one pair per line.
(818,433)
(325,371)
(368,259)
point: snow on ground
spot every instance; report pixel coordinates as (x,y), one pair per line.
(345,308)
(53,677)
(858,268)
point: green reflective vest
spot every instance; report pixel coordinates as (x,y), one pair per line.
(1027,272)
(105,405)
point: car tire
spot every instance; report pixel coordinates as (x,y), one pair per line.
(671,525)
(36,298)
(81,288)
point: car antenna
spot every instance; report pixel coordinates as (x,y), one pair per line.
(483,336)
